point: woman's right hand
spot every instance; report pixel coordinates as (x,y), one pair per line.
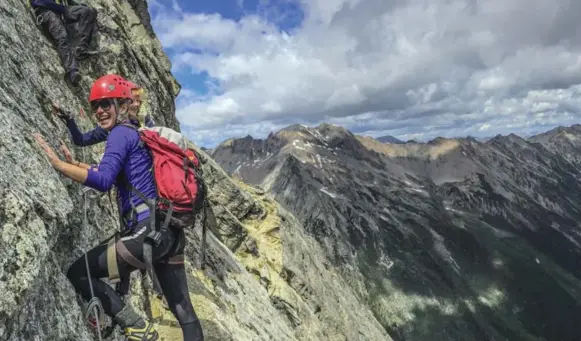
(56,110)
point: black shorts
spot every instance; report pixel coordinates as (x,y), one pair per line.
(172,243)
(128,248)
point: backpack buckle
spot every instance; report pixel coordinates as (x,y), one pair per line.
(155,237)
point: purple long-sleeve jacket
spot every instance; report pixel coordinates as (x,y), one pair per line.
(125,159)
(89,138)
(49,4)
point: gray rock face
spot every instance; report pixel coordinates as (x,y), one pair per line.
(449,240)
(266,278)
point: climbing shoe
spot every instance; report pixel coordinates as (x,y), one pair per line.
(134,326)
(147,333)
(74,77)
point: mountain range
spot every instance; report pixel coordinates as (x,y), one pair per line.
(454,239)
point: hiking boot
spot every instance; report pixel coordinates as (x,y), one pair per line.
(75,77)
(147,333)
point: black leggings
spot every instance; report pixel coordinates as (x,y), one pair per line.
(171,275)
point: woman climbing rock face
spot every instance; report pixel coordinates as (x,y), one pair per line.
(127,160)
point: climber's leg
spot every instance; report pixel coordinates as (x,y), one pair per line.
(129,257)
(132,323)
(172,278)
(77,274)
(56,28)
(83,19)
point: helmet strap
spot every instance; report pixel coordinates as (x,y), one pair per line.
(120,118)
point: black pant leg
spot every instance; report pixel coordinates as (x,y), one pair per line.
(172,278)
(173,281)
(57,30)
(84,19)
(78,276)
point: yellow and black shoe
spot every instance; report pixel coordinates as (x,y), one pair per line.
(147,333)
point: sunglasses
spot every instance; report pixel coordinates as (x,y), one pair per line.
(104,103)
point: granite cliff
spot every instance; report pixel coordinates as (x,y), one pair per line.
(266,277)
(453,239)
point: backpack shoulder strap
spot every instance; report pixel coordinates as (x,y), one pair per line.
(134,127)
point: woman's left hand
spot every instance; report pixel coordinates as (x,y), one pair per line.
(52,157)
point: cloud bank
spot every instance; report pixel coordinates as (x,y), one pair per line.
(409,68)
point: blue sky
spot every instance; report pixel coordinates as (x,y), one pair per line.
(285,14)
(377,68)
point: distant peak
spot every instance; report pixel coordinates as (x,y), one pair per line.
(438,140)
(389,139)
(323,133)
(294,132)
(333,130)
(508,141)
(243,144)
(330,126)
(296,127)
(558,132)
(509,137)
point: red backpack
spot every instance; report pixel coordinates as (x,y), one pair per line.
(177,173)
(180,187)
(176,169)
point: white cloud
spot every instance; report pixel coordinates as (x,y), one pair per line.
(205,31)
(409,67)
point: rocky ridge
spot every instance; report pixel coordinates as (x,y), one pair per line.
(266,278)
(453,239)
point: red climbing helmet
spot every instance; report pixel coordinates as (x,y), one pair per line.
(110,86)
